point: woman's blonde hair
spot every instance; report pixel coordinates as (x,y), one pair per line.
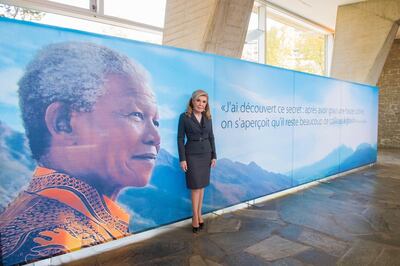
(196,94)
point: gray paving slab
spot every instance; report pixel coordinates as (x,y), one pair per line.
(392,218)
(276,247)
(353,223)
(389,256)
(260,214)
(362,253)
(288,262)
(242,258)
(321,191)
(387,173)
(173,248)
(391,239)
(204,245)
(291,231)
(327,244)
(313,220)
(212,263)
(388,156)
(319,206)
(374,216)
(165,261)
(222,224)
(355,200)
(316,257)
(197,260)
(247,236)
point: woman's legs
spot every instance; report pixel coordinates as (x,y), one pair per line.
(201,196)
(195,207)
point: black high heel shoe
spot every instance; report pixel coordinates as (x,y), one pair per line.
(195,229)
(201,226)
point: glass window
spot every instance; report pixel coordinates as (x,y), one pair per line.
(20,13)
(97,27)
(251,47)
(280,39)
(294,46)
(77,3)
(78,24)
(150,12)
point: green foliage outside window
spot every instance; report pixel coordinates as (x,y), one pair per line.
(20,13)
(294,49)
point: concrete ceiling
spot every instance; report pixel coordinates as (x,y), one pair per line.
(322,12)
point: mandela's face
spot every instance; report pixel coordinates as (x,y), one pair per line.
(119,138)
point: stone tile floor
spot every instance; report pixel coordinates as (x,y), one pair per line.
(351,220)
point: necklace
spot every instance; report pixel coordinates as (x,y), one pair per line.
(198,117)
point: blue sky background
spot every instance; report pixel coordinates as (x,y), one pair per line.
(175,73)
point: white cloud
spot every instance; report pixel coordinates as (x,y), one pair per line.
(166,112)
(252,96)
(137,218)
(196,62)
(8,88)
(6,61)
(140,220)
(163,89)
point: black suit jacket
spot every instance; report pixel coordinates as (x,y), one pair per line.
(199,136)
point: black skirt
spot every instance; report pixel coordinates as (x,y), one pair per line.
(198,172)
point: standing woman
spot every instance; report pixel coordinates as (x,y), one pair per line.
(197,155)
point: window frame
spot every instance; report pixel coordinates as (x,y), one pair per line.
(94,12)
(263,5)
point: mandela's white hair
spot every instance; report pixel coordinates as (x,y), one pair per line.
(72,73)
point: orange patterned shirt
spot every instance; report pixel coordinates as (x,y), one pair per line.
(56,214)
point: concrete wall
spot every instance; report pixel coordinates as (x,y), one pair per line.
(213,26)
(363,36)
(389,100)
(186,23)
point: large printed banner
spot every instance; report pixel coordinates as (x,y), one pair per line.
(88,133)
